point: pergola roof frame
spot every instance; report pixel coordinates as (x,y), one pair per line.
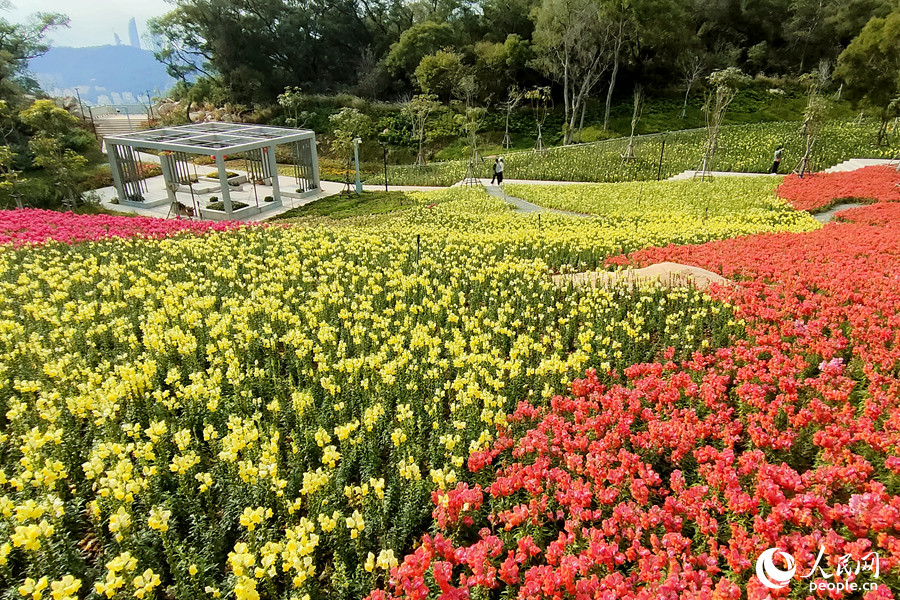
(239,138)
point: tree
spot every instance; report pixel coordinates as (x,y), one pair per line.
(816,112)
(439,73)
(291,100)
(9,178)
(635,119)
(64,166)
(418,110)
(348,125)
(806,26)
(511,17)
(415,44)
(570,41)
(256,48)
(388,19)
(691,70)
(51,125)
(472,120)
(869,68)
(513,97)
(19,43)
(46,119)
(541,106)
(725,84)
(179,45)
(617,14)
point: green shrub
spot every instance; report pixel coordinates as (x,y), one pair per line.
(221,206)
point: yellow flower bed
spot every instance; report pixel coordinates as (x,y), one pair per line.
(725,207)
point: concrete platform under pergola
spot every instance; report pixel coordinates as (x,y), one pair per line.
(177,145)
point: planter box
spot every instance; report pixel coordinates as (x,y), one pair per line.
(144,204)
(238,179)
(306,194)
(221,215)
(200,188)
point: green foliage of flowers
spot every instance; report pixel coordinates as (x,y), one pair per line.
(742,148)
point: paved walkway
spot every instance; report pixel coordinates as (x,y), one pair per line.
(828,215)
(527,207)
(332,188)
(156,190)
(486,182)
(692,174)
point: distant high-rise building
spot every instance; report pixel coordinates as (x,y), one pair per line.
(118,39)
(133,38)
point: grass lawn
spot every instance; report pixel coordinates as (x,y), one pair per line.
(344,206)
(99,209)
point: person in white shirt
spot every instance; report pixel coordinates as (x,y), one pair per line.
(499,170)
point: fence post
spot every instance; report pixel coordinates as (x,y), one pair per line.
(662,152)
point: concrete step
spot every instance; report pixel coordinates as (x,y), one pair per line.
(857,163)
(112,126)
(690,174)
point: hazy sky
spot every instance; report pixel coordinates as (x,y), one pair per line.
(93,22)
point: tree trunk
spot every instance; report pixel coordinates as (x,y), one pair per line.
(612,77)
(804,162)
(687,93)
(881,131)
(420,157)
(581,123)
(571,117)
(566,93)
(609,93)
(506,141)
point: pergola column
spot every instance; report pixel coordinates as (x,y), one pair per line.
(269,151)
(223,181)
(314,160)
(169,178)
(116,169)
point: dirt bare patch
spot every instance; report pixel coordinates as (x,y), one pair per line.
(667,273)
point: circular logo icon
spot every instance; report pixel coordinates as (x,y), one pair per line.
(771,576)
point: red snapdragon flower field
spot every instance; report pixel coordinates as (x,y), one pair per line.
(818,191)
(32,226)
(671,484)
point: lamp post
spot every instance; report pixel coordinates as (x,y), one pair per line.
(384,142)
(356,142)
(80,105)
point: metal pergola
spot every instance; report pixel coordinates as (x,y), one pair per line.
(177,144)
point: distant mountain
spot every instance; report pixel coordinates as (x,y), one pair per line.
(103,74)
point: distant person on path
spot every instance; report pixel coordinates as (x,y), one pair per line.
(499,169)
(779,152)
(494,176)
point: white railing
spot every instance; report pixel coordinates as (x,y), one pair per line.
(119,109)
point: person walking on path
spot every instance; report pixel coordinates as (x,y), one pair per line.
(499,169)
(494,175)
(779,152)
